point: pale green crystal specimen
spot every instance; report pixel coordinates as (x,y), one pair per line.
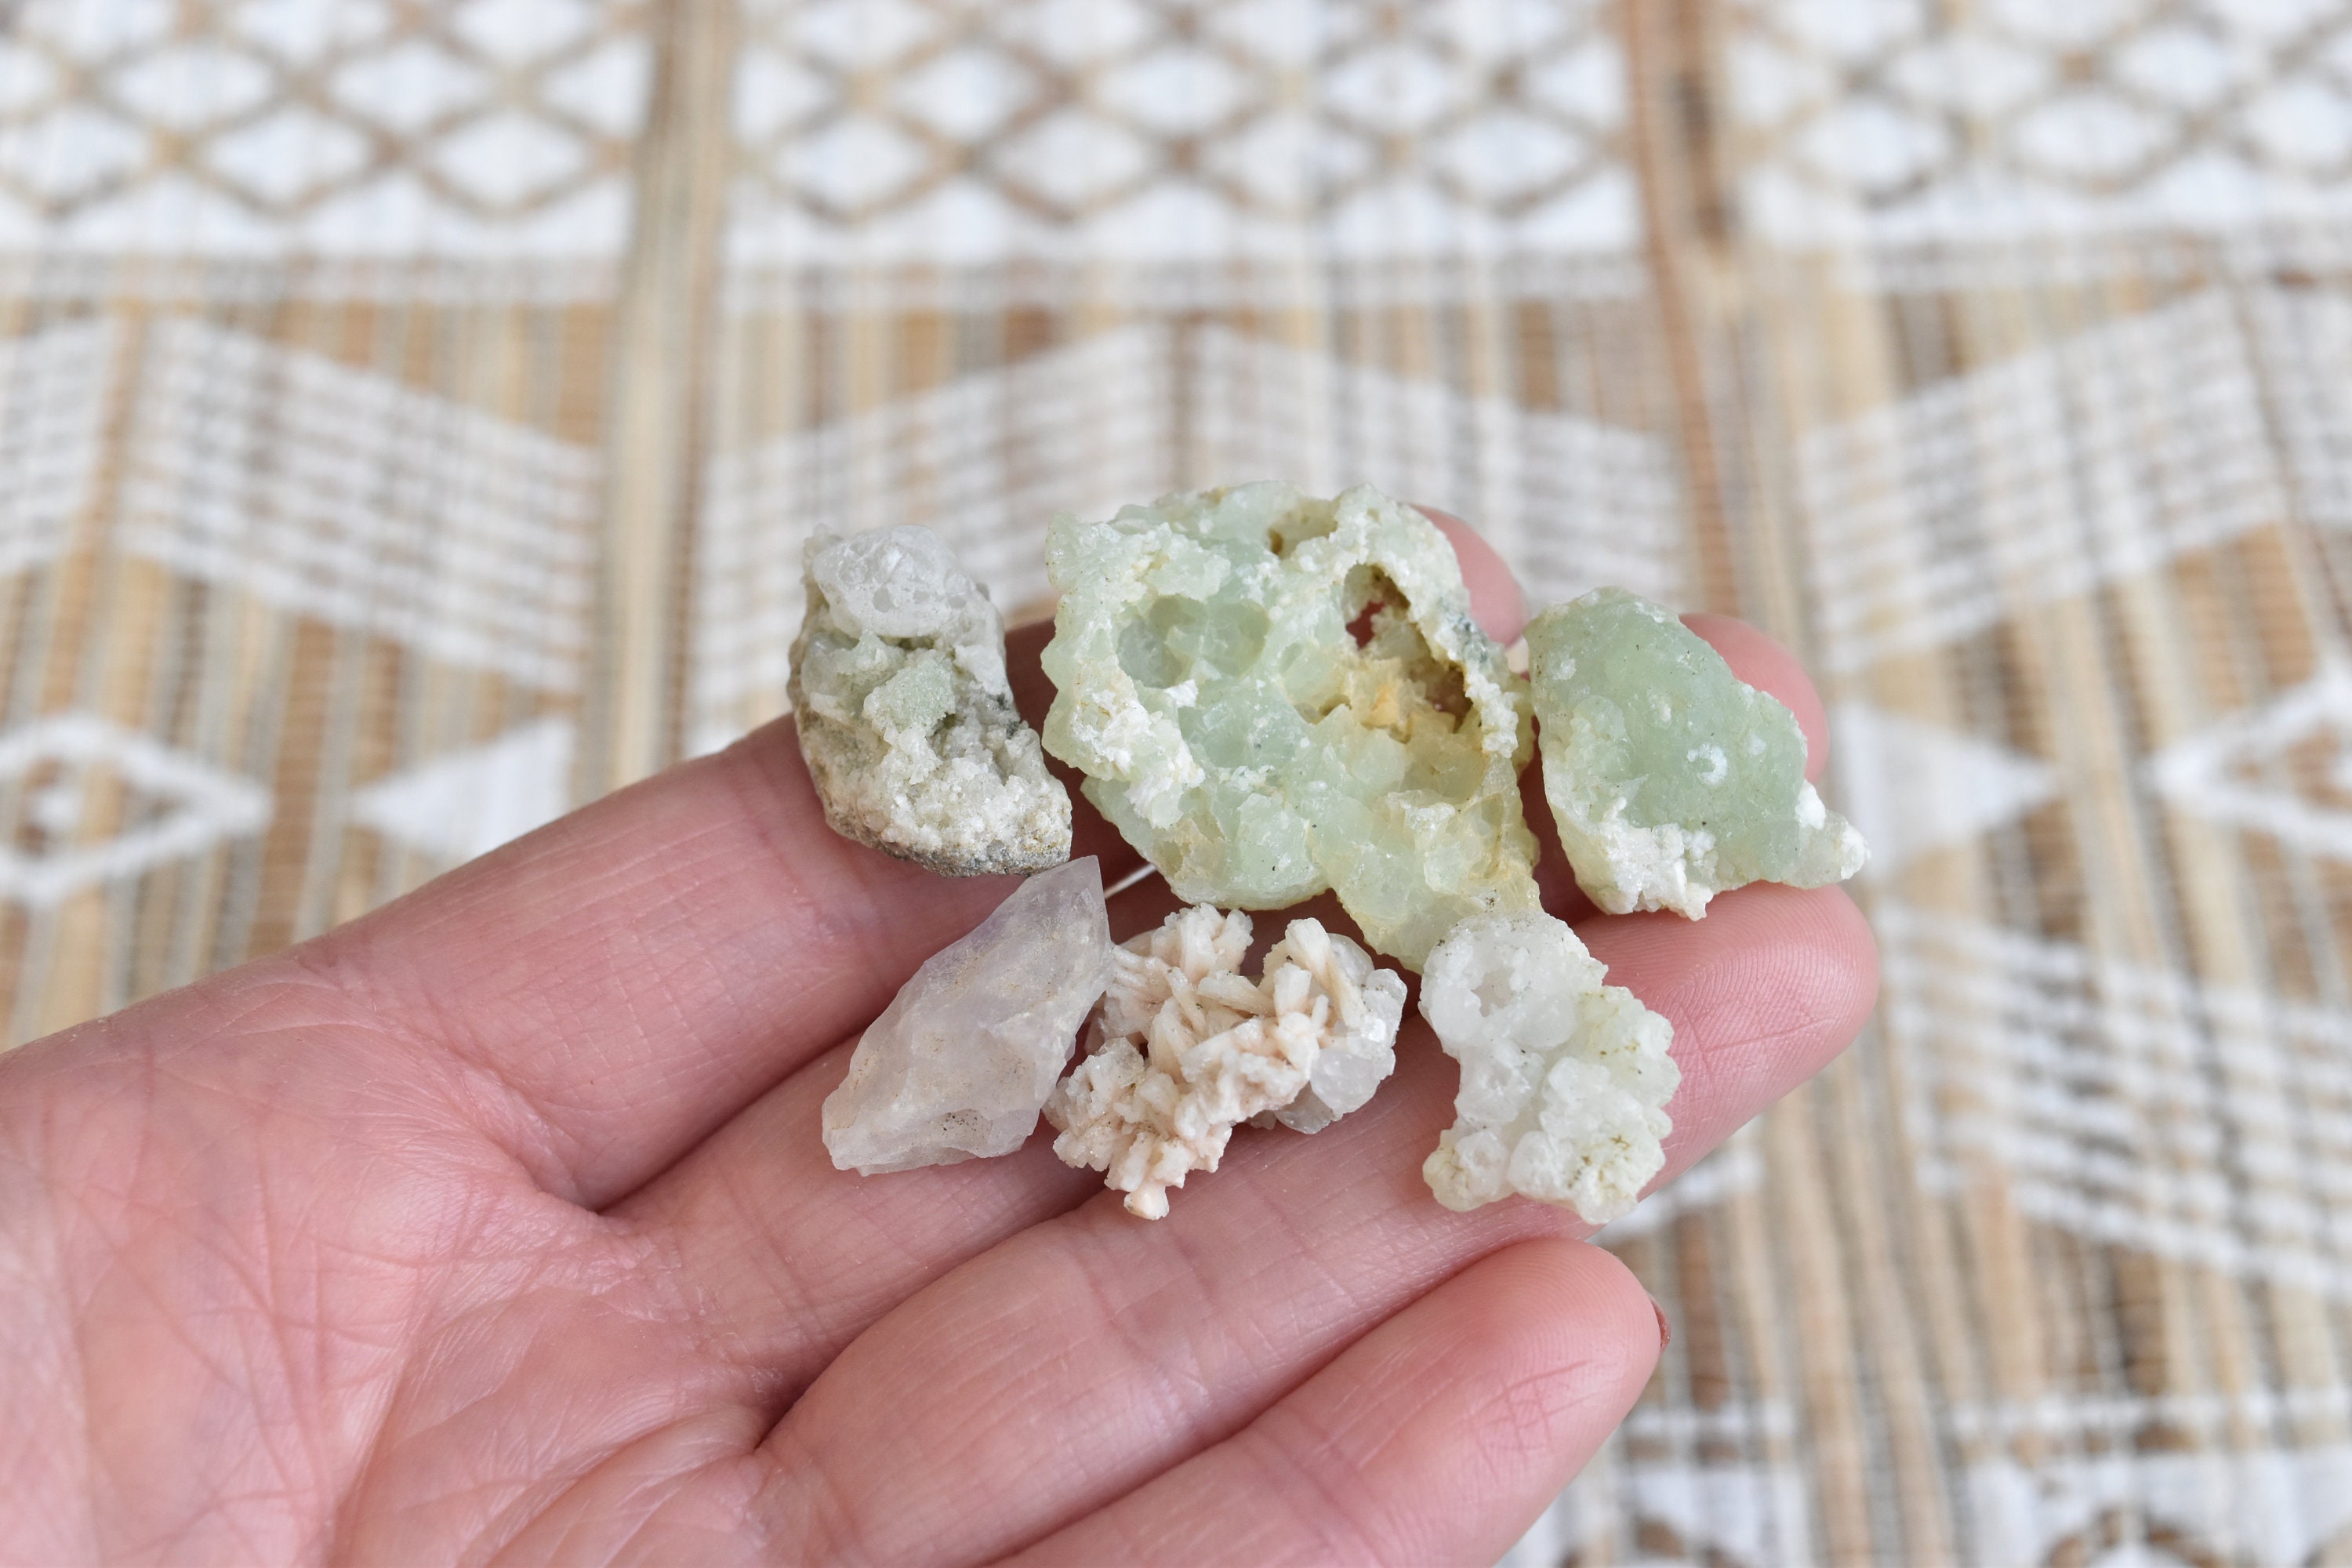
(1671,779)
(1237,729)
(1564,1080)
(906,717)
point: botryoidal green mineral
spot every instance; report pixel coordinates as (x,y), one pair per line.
(1672,780)
(1271,694)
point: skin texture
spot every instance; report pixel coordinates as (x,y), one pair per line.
(495,1226)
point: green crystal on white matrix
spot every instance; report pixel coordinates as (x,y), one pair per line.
(1272,694)
(905,715)
(1672,780)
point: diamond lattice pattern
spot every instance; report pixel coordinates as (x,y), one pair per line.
(333,127)
(930,130)
(1911,121)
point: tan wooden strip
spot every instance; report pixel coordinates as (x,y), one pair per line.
(654,426)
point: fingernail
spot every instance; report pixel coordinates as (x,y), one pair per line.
(1665,1329)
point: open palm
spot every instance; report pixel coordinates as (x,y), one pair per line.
(496,1226)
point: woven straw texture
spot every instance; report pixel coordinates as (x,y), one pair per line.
(410,414)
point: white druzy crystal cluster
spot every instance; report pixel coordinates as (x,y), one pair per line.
(905,714)
(1564,1080)
(1189,1049)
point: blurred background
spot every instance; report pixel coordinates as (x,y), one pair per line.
(410,414)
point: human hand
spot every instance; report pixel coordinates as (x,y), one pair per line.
(496,1225)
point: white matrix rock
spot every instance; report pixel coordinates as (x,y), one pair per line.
(961,1062)
(905,714)
(1564,1080)
(1189,1049)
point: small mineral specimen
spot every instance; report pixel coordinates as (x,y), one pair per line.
(1359,1036)
(1271,695)
(1671,779)
(1189,1049)
(905,714)
(1564,1080)
(960,1062)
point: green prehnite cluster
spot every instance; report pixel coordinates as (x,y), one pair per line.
(1671,779)
(1272,694)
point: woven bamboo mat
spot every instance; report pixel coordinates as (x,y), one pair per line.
(410,413)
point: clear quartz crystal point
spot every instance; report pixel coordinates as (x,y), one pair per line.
(960,1064)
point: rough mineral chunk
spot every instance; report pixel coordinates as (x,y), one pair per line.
(905,714)
(1188,1049)
(1358,1034)
(959,1063)
(1671,779)
(1271,695)
(1564,1080)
